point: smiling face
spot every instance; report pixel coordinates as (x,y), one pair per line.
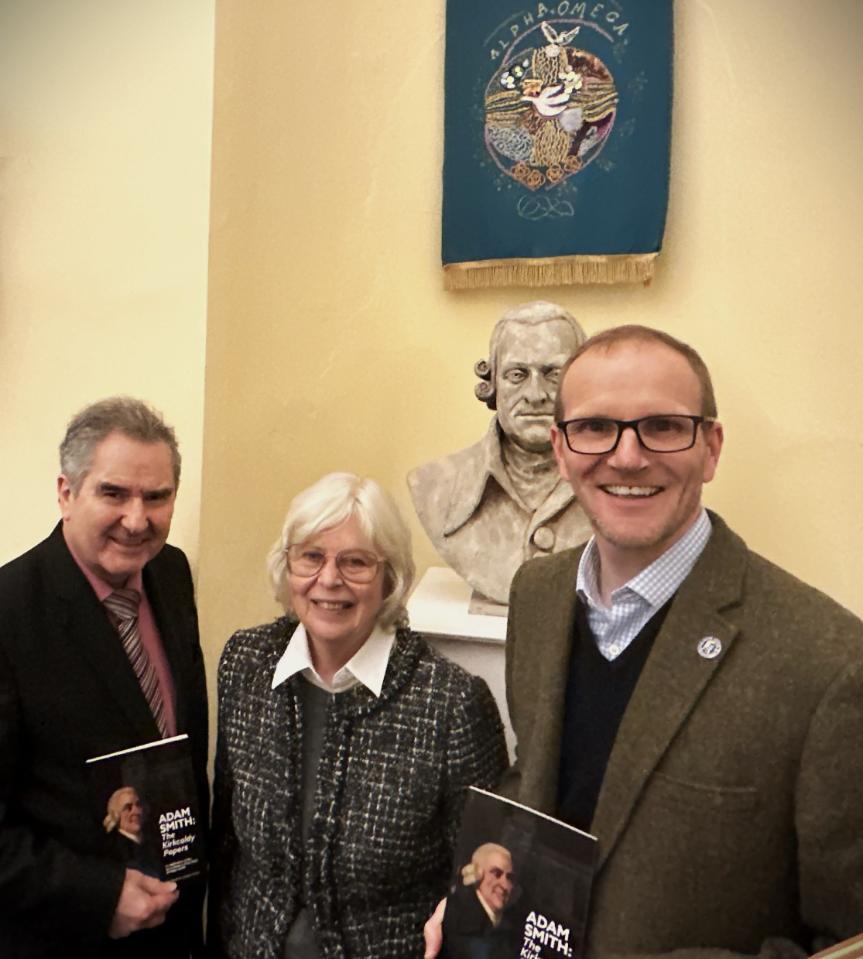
(639,503)
(530,357)
(338,615)
(120,517)
(495,887)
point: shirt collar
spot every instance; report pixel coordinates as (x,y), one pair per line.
(102,589)
(487,464)
(656,583)
(470,484)
(586,578)
(367,666)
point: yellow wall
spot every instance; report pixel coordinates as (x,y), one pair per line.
(331,344)
(105,125)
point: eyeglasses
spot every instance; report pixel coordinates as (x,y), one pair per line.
(659,433)
(355,565)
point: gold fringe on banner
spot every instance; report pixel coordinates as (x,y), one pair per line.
(550,271)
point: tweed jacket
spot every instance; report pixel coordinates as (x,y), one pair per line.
(391,783)
(68,693)
(730,817)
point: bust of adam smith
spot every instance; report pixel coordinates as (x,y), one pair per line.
(491,506)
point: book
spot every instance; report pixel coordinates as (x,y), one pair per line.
(146,801)
(521,886)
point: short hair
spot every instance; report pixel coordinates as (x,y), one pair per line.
(115,806)
(531,314)
(472,873)
(634,333)
(329,502)
(116,414)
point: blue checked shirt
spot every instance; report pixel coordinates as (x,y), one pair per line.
(633,604)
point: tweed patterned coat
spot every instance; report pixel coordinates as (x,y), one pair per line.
(730,820)
(391,784)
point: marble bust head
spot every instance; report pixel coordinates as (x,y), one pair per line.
(491,506)
(529,346)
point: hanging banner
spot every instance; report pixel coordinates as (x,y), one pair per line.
(556,141)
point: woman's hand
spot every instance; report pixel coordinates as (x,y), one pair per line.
(433,931)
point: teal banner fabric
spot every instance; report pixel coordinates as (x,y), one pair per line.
(557,136)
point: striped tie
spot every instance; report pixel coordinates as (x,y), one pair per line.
(122,607)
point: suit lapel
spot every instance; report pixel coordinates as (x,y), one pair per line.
(84,625)
(672,681)
(553,612)
(274,746)
(556,502)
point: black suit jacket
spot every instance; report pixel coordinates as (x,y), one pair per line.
(68,693)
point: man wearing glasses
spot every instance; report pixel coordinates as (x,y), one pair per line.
(692,705)
(695,707)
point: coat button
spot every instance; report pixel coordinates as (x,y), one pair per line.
(543,538)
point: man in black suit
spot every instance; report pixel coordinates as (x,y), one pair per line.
(77,682)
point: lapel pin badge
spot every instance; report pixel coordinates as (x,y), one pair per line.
(709,647)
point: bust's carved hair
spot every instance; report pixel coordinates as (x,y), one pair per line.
(531,314)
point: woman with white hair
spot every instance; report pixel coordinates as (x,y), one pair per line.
(345,747)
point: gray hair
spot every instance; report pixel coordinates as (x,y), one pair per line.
(329,502)
(117,414)
(531,314)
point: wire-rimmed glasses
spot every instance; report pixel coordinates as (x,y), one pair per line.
(355,565)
